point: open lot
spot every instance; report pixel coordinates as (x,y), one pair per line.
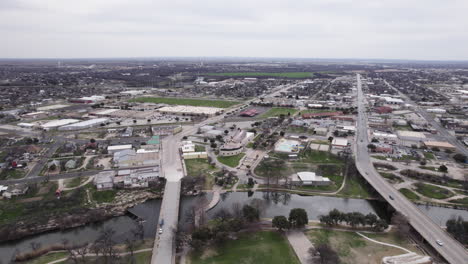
(277,111)
(231,161)
(197,167)
(185,101)
(250,248)
(352,248)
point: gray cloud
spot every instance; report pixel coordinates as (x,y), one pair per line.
(418,29)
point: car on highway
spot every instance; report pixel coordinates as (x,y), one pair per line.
(160,231)
(439,242)
(391,197)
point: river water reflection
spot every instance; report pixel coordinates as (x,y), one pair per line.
(274,203)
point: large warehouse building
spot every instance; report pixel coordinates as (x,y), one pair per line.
(190,110)
(84,124)
(58,123)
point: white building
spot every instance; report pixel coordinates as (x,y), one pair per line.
(340,142)
(436,110)
(84,124)
(58,123)
(113,149)
(187,147)
(104,180)
(309,178)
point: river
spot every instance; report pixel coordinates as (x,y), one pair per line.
(273,203)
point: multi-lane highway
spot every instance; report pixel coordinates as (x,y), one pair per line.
(451,250)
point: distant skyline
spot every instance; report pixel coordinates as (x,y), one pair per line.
(334,29)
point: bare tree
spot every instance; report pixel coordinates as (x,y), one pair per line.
(130,244)
(401,223)
(82,252)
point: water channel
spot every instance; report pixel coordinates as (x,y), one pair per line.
(273,203)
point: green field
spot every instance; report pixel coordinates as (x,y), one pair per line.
(185,101)
(352,248)
(276,111)
(250,248)
(197,167)
(231,161)
(314,156)
(391,177)
(460,201)
(429,155)
(432,191)
(264,74)
(106,196)
(409,194)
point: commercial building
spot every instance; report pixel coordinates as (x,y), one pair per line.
(411,135)
(195,155)
(436,110)
(321,131)
(87,100)
(309,178)
(392,101)
(383,110)
(104,180)
(231,149)
(141,157)
(249,113)
(187,146)
(85,124)
(340,143)
(58,123)
(190,110)
(136,178)
(116,148)
(440,145)
(34,115)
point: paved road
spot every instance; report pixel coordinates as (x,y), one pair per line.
(452,250)
(442,131)
(171,168)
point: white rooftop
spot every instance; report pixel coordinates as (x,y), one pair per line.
(60,122)
(340,142)
(119,147)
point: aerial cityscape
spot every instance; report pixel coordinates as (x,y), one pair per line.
(195,147)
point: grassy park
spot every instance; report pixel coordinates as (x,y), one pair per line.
(250,248)
(231,161)
(264,74)
(409,194)
(277,111)
(432,191)
(352,248)
(185,101)
(196,167)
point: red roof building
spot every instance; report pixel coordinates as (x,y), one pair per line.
(383,110)
(249,113)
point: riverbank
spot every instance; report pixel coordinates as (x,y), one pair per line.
(76,217)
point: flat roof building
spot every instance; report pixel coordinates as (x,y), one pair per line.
(58,123)
(84,124)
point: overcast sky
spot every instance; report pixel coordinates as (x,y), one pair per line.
(393,29)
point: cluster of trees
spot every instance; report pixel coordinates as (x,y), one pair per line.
(458,229)
(297,218)
(225,223)
(433,178)
(354,219)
